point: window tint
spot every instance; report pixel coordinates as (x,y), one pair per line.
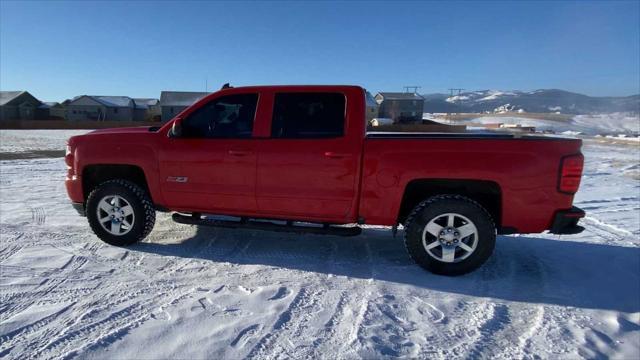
(308,115)
(226,117)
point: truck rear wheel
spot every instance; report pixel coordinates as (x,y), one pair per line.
(450,235)
(120,212)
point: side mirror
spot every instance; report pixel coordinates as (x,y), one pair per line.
(176,128)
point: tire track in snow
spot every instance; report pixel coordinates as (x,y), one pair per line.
(27,297)
(507,331)
(459,330)
(6,343)
(101,325)
(8,235)
(340,331)
(50,292)
(290,324)
(485,345)
(117,331)
(23,300)
(8,252)
(610,233)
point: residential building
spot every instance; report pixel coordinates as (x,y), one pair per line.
(401,107)
(18,105)
(100,108)
(147,109)
(173,102)
(52,110)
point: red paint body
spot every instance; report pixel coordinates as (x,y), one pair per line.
(336,180)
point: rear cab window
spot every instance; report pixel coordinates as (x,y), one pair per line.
(312,115)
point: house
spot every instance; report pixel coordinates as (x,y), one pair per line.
(401,107)
(52,110)
(371,105)
(173,102)
(19,105)
(147,109)
(106,108)
(101,108)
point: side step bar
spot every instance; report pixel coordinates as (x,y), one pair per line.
(268,226)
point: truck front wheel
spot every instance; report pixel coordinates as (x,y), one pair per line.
(120,212)
(450,235)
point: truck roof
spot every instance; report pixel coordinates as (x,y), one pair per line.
(294,87)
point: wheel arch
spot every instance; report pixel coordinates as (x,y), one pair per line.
(486,193)
(96,174)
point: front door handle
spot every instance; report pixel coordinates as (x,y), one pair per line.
(333,155)
(239,152)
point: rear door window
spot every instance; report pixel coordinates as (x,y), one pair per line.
(308,115)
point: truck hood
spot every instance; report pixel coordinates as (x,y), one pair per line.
(123,130)
(107,134)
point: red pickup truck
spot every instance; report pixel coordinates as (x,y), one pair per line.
(301,157)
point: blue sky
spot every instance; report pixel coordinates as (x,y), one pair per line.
(57,50)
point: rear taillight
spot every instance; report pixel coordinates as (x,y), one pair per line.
(570,173)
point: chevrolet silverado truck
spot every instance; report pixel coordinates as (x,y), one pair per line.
(299,158)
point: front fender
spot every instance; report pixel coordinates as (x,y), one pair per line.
(143,156)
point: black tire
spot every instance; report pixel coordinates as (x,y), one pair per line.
(436,206)
(143,210)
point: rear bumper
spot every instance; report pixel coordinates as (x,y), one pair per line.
(566,221)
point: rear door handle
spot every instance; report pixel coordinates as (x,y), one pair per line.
(239,152)
(333,155)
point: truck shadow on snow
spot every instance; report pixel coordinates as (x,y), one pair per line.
(524,269)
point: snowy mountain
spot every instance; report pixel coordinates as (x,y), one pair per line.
(540,101)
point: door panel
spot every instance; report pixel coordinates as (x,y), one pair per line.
(308,168)
(299,178)
(209,174)
(210,166)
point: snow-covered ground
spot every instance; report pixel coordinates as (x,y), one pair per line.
(615,124)
(195,292)
(13,141)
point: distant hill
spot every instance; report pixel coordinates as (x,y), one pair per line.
(539,101)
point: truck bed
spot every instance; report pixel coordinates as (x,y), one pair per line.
(523,167)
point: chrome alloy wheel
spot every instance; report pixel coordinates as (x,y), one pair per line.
(115,215)
(450,237)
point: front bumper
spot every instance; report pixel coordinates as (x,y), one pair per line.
(79,208)
(566,221)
